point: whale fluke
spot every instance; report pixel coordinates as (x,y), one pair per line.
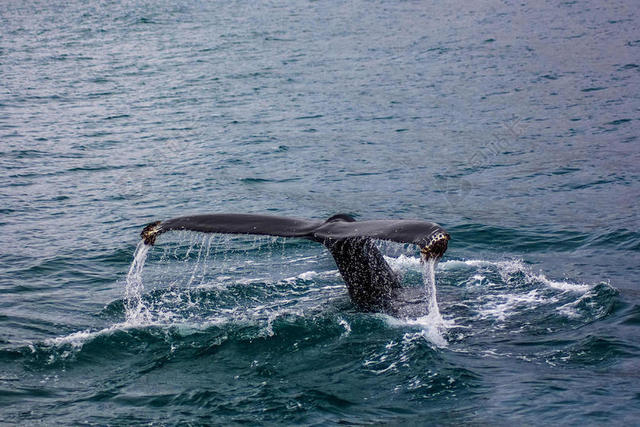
(370,281)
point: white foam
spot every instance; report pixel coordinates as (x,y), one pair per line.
(404,263)
(76,339)
(311,258)
(570,309)
(310,275)
(454,264)
(431,329)
(508,268)
(346,326)
(432,325)
(564,286)
(503,306)
(79,338)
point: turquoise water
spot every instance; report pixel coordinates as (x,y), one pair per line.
(515,126)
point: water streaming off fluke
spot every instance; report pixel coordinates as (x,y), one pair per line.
(136,311)
(168,298)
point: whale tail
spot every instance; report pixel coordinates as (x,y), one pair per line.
(370,281)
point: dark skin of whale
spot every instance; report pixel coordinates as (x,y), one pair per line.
(371,283)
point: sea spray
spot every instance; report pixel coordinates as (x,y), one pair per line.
(197,263)
(435,324)
(429,278)
(136,311)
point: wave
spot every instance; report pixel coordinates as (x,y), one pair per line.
(511,268)
(477,299)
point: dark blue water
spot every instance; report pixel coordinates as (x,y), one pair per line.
(513,125)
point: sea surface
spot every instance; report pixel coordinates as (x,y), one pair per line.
(514,125)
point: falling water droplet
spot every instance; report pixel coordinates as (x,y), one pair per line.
(135,309)
(433,319)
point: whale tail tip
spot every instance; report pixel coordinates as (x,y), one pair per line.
(436,246)
(150,232)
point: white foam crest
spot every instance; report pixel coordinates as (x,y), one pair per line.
(564,286)
(506,266)
(311,274)
(307,275)
(503,306)
(571,309)
(346,326)
(454,264)
(404,263)
(78,339)
(262,316)
(311,258)
(430,330)
(510,267)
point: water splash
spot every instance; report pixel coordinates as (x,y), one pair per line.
(429,277)
(511,268)
(136,311)
(492,297)
(435,324)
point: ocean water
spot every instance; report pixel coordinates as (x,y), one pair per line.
(513,125)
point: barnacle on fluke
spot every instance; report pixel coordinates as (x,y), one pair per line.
(150,232)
